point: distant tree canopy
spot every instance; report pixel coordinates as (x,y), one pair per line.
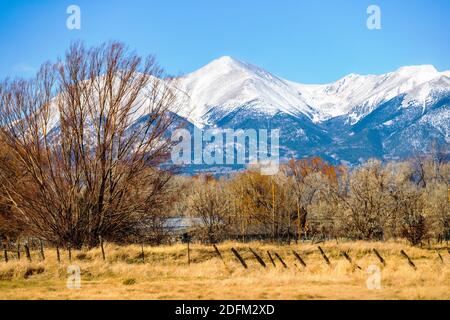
(313,199)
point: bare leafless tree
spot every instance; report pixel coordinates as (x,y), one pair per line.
(209,203)
(311,178)
(90,134)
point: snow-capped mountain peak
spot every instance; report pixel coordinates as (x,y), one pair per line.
(226,84)
(223,64)
(352,119)
(358,95)
(419,70)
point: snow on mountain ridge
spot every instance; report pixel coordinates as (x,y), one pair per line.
(227,83)
(357,95)
(424,93)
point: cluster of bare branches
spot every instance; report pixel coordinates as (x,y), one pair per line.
(85,141)
(313,199)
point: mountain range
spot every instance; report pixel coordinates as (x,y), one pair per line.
(387,116)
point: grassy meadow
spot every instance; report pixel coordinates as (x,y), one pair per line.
(165,273)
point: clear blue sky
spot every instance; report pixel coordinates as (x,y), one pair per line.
(307,41)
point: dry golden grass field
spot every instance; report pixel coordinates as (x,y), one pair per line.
(166,275)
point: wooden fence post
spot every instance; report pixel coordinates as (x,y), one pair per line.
(383,262)
(18,251)
(271,259)
(101,246)
(238,256)
(27,252)
(299,258)
(58,256)
(218,252)
(347,257)
(403,253)
(189,252)
(186,238)
(258,258)
(220,255)
(324,256)
(41,245)
(5,252)
(281,260)
(70,253)
(143,253)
